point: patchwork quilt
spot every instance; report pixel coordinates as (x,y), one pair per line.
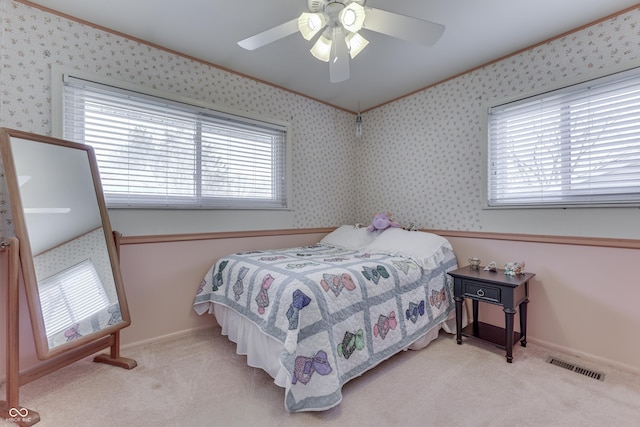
(338,312)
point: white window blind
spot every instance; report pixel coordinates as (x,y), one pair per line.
(70,296)
(575,146)
(157,153)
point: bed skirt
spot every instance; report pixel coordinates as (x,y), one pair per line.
(263,351)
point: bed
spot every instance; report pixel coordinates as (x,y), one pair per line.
(317,316)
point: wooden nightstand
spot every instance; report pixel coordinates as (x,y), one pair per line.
(497,288)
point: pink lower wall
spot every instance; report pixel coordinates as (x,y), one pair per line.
(161,280)
(584,299)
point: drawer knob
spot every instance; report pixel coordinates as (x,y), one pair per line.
(480,293)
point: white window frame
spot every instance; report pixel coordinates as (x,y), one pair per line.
(549,195)
(277,195)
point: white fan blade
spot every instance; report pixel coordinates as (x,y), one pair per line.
(270,35)
(339,59)
(414,30)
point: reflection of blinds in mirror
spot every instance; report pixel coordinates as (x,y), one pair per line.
(70,296)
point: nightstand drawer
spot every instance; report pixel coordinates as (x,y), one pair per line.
(482,292)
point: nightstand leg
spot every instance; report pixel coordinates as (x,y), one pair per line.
(476,325)
(523,322)
(459,301)
(508,321)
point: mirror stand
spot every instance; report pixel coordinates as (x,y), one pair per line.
(114,358)
(10,409)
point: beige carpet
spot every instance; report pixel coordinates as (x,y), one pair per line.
(198,380)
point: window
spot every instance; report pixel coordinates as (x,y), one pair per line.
(158,153)
(70,296)
(579,145)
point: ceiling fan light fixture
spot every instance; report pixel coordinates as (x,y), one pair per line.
(352,17)
(356,43)
(322,48)
(335,26)
(309,24)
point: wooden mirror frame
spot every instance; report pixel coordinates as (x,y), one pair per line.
(26,257)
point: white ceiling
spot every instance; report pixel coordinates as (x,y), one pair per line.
(476,32)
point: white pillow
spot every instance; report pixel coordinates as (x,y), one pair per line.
(425,248)
(350,237)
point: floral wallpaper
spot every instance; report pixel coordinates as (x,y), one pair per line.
(6,217)
(88,246)
(421,155)
(32,41)
(431,142)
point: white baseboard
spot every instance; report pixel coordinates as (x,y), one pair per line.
(168,337)
(585,356)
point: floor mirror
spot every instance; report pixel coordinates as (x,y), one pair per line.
(55,219)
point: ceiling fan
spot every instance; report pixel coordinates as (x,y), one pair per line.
(338,22)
